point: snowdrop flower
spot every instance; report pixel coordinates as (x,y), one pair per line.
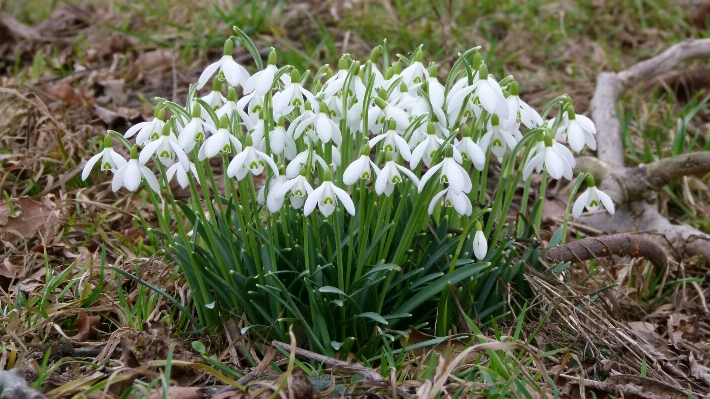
(220,140)
(293,128)
(498,138)
(426,149)
(556,159)
(323,127)
(110,159)
(460,202)
(131,174)
(230,106)
(470,150)
(360,168)
(577,130)
(415,73)
(214,99)
(250,160)
(519,111)
(194,131)
(592,199)
(273,185)
(334,85)
(326,198)
(179,170)
(291,97)
(392,141)
(294,167)
(489,94)
(148,130)
(389,175)
(435,88)
(480,244)
(451,173)
(278,137)
(377,116)
(262,81)
(233,72)
(297,188)
(166,146)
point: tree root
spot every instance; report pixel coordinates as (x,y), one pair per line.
(634,189)
(602,247)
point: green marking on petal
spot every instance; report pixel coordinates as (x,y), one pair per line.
(365,176)
(328,201)
(594,203)
(497,143)
(164,154)
(254,165)
(106,166)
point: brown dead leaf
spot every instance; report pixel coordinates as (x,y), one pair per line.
(44,218)
(177,393)
(645,331)
(86,325)
(63,91)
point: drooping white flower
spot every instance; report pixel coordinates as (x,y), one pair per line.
(425,150)
(230,107)
(435,88)
(379,115)
(179,171)
(360,168)
(415,73)
(294,167)
(297,188)
(148,130)
(278,137)
(215,100)
(335,85)
(553,157)
(390,175)
(293,129)
(470,150)
(194,131)
(451,173)
(262,81)
(250,160)
(292,95)
(167,147)
(480,244)
(132,173)
(519,111)
(591,199)
(577,130)
(393,142)
(323,127)
(326,198)
(220,140)
(459,201)
(234,73)
(110,159)
(498,138)
(274,184)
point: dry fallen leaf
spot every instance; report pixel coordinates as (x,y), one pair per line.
(86,326)
(44,218)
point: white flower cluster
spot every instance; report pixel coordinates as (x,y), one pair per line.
(404,116)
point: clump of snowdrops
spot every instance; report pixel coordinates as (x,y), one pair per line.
(352,203)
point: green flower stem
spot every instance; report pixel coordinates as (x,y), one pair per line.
(363,227)
(578,183)
(524,204)
(543,187)
(484,179)
(398,214)
(385,203)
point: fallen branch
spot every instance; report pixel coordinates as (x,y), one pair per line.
(329,361)
(634,189)
(611,85)
(640,183)
(603,247)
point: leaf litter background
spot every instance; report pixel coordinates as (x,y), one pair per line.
(88,67)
